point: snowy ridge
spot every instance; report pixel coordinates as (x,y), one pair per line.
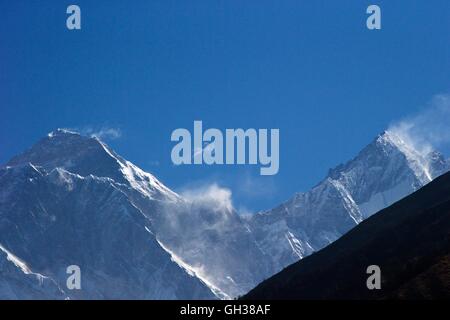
(349,203)
(63,218)
(139,179)
(25,283)
(195,273)
(21,265)
(385,171)
(88,155)
(417,162)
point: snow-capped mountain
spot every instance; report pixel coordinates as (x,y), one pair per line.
(87,203)
(51,218)
(409,241)
(71,200)
(385,171)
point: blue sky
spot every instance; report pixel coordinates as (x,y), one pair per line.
(309,68)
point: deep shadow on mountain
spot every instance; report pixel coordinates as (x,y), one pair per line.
(409,241)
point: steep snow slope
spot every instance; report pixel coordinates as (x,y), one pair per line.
(18,281)
(89,156)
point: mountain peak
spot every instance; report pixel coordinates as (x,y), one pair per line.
(61,148)
(390,149)
(84,156)
(386,170)
(394,139)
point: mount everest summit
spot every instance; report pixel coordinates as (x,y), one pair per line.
(71,200)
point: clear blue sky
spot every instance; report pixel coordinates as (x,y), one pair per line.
(309,68)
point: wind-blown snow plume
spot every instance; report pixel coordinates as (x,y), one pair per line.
(107,133)
(213,196)
(428,130)
(102,133)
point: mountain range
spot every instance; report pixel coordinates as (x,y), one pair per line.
(408,242)
(384,172)
(71,200)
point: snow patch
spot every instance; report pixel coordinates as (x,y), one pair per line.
(194,272)
(22,265)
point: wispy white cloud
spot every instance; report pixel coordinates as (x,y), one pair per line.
(107,133)
(102,133)
(245,212)
(212,196)
(429,129)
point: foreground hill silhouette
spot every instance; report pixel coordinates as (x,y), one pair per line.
(409,241)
